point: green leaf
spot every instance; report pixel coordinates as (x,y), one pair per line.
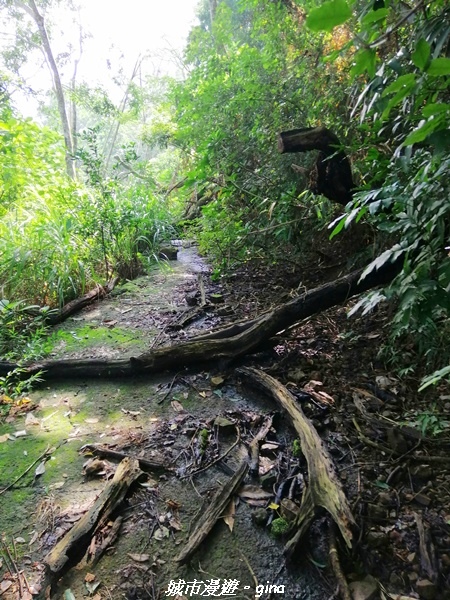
(422,132)
(381,484)
(430,110)
(364,61)
(435,378)
(404,82)
(340,225)
(421,54)
(374,16)
(439,66)
(328,16)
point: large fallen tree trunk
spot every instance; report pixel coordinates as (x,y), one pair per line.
(249,337)
(331,175)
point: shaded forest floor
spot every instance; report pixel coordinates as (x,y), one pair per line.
(395,471)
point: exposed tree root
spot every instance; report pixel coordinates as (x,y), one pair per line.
(324,488)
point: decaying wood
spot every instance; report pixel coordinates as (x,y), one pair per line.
(333,553)
(96,551)
(195,352)
(427,551)
(72,547)
(324,487)
(214,511)
(332,174)
(77,304)
(254,444)
(144,463)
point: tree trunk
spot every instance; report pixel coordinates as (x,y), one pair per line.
(32,10)
(331,175)
(250,336)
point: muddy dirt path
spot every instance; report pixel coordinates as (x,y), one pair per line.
(183,419)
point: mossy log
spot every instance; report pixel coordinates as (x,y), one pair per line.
(227,344)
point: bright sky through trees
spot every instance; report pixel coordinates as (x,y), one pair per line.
(116,34)
(136,27)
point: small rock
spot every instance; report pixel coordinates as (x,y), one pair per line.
(367,589)
(223,423)
(395,580)
(422,471)
(422,499)
(384,498)
(289,510)
(192,298)
(259,516)
(426,589)
(377,539)
(376,512)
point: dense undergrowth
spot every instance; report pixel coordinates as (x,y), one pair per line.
(377,76)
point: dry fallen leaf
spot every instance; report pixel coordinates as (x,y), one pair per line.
(254,492)
(89,577)
(217,380)
(5,585)
(177,406)
(40,469)
(30,420)
(139,557)
(175,524)
(230,513)
(161,533)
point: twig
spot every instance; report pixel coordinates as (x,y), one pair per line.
(249,567)
(201,285)
(15,567)
(219,458)
(254,444)
(170,388)
(336,565)
(27,470)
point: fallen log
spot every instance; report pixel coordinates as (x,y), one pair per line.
(324,488)
(77,304)
(144,463)
(331,175)
(198,351)
(73,546)
(214,511)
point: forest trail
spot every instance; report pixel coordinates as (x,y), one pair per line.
(161,418)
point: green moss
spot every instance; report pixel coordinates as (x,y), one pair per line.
(90,336)
(296,449)
(204,439)
(279,527)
